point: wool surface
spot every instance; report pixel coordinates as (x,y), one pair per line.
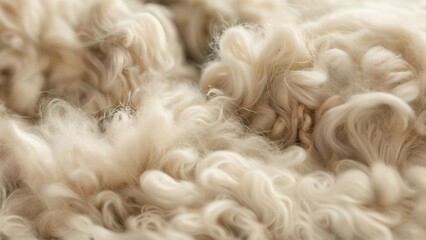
(212,119)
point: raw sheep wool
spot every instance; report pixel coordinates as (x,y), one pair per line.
(212,119)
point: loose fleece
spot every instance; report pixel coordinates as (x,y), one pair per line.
(225,119)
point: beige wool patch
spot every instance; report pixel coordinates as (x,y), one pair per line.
(212,119)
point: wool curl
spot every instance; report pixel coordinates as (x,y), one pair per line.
(125,119)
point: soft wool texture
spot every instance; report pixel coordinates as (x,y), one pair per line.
(212,119)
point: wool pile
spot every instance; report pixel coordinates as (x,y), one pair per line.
(212,119)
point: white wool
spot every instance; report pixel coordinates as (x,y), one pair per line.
(198,119)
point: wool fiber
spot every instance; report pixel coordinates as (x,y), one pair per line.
(202,119)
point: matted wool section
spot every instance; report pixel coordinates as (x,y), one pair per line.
(202,119)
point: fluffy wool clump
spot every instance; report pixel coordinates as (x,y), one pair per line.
(227,119)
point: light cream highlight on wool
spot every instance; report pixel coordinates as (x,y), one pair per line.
(202,119)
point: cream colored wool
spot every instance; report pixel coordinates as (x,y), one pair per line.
(212,119)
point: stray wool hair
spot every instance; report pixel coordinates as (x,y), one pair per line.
(227,119)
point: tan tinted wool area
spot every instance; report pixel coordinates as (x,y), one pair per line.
(212,119)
